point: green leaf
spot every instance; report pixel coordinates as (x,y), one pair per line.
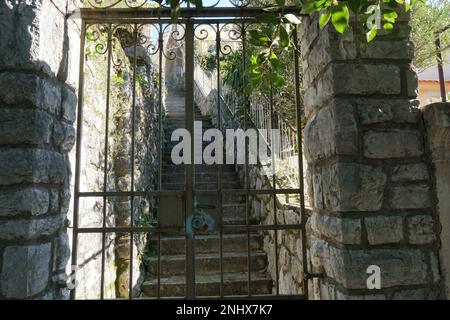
(324,18)
(258,38)
(292,18)
(267,18)
(390,16)
(276,79)
(370,35)
(284,37)
(309,7)
(274,61)
(340,17)
(388,26)
(407,5)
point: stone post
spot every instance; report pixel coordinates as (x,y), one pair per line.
(437,120)
(370,176)
(37,112)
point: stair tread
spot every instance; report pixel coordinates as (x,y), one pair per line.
(210,255)
(209,236)
(212,278)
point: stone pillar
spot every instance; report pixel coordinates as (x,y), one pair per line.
(37,111)
(370,177)
(437,120)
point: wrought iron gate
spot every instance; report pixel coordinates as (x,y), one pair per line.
(135,216)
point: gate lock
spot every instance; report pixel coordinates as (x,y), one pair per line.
(202,220)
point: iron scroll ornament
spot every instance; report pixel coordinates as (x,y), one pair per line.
(137,4)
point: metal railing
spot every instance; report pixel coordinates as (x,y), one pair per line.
(259,115)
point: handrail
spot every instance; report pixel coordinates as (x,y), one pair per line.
(259,115)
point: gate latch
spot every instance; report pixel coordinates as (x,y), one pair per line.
(202,221)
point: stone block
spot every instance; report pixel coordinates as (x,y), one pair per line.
(25,126)
(27,29)
(61,252)
(54,201)
(387,50)
(411,197)
(309,31)
(353,187)
(346,78)
(69,105)
(412,83)
(372,110)
(392,143)
(417,294)
(25,270)
(435,269)
(29,89)
(32,200)
(32,166)
(331,131)
(346,296)
(421,229)
(384,229)
(399,267)
(329,47)
(64,135)
(343,230)
(410,172)
(365,79)
(30,229)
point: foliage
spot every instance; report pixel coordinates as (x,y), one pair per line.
(427,19)
(207,61)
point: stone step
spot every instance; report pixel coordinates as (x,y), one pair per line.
(169,144)
(210,243)
(168,130)
(207,262)
(202,185)
(209,285)
(199,168)
(201,177)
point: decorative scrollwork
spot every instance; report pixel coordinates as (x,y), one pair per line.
(97,37)
(240,3)
(136,4)
(106,4)
(201,31)
(175,40)
(232,33)
(152,45)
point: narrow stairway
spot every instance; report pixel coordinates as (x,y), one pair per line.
(207,246)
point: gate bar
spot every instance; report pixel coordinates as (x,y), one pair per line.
(78,153)
(190,168)
(218,12)
(303,216)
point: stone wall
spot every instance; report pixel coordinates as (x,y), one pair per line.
(437,120)
(118,166)
(370,176)
(288,242)
(37,112)
(262,209)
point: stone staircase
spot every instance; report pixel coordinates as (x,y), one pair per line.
(207,246)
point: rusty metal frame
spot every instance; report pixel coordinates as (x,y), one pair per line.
(189,18)
(437,43)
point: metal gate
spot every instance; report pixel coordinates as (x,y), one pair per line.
(119,214)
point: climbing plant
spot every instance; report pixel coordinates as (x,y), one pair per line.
(276,34)
(427,20)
